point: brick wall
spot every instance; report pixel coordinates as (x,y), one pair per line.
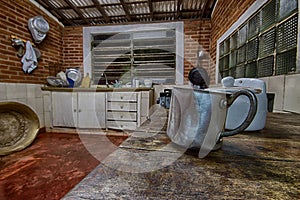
(196,37)
(226,13)
(64,45)
(73,47)
(14,16)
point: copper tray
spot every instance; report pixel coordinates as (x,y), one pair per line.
(19,125)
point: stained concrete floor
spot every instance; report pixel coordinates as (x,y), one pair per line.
(252,165)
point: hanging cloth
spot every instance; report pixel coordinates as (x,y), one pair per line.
(29,59)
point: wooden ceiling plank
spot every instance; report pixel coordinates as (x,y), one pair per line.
(178,14)
(202,12)
(77,10)
(57,11)
(102,11)
(125,8)
(151,10)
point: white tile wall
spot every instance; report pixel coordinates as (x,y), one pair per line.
(28,94)
(287,92)
(292,93)
(276,85)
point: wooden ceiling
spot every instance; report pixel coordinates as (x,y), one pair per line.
(96,12)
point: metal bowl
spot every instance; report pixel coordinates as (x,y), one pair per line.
(19,126)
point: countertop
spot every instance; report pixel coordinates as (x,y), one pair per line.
(252,165)
(96,89)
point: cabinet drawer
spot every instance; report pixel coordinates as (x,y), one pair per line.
(121,106)
(121,125)
(121,116)
(122,96)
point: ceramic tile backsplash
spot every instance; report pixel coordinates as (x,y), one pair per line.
(276,85)
(3,95)
(16,91)
(28,94)
(292,93)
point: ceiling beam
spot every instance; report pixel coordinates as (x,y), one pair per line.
(102,11)
(203,9)
(77,11)
(178,14)
(151,10)
(50,7)
(125,8)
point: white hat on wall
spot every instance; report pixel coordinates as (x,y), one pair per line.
(38,27)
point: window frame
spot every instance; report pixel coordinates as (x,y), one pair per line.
(88,32)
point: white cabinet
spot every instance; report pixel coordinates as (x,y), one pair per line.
(78,109)
(110,109)
(64,109)
(91,110)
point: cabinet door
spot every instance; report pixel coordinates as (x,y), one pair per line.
(64,109)
(91,110)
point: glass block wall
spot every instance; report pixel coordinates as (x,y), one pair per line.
(265,45)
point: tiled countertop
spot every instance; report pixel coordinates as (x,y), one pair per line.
(96,89)
(253,165)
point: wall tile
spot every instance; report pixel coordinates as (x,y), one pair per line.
(276,85)
(3,91)
(292,93)
(16,91)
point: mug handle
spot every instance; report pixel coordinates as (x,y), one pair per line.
(251,114)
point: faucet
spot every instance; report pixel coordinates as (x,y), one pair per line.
(106,82)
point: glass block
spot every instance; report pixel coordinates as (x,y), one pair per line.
(265,67)
(226,45)
(233,41)
(286,7)
(232,58)
(231,72)
(221,64)
(241,54)
(268,15)
(253,26)
(267,43)
(251,70)
(226,62)
(286,62)
(240,71)
(242,35)
(252,49)
(221,50)
(225,73)
(287,34)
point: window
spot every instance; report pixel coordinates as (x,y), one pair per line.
(264,44)
(150,51)
(140,54)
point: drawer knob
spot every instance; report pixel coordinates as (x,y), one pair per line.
(121,116)
(121,97)
(121,107)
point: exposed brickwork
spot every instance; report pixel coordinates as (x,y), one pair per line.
(14,17)
(226,13)
(65,46)
(73,47)
(196,37)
